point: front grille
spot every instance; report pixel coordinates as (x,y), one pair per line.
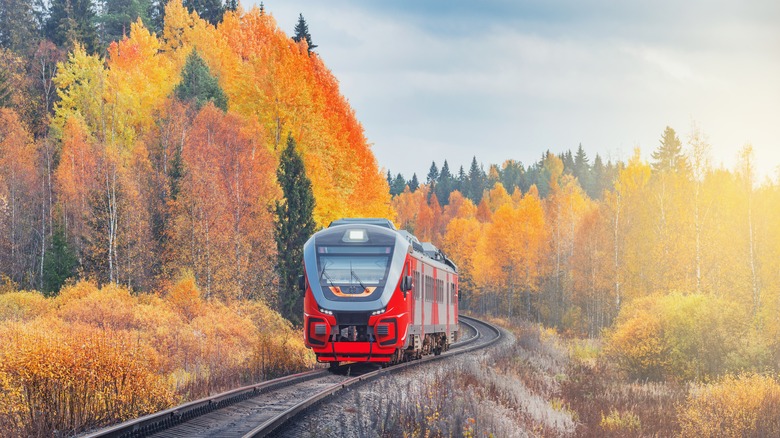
(383,330)
(352,318)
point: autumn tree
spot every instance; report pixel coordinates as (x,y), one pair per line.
(294,226)
(222,230)
(20,219)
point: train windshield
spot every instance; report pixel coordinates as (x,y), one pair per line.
(353,271)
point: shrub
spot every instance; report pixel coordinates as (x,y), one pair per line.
(680,337)
(746,405)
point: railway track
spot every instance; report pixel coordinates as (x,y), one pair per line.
(257,410)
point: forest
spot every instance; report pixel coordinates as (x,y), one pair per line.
(152,151)
(141,184)
(671,233)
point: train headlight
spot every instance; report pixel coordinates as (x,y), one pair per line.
(378,312)
(326,311)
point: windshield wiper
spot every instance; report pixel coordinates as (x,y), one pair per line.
(327,277)
(358,279)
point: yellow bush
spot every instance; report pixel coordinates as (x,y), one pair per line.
(738,406)
(620,423)
(22,306)
(680,337)
(96,355)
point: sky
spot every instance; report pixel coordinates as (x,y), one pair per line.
(435,80)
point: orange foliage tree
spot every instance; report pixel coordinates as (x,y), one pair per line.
(223,223)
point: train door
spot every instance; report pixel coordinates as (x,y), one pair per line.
(428,299)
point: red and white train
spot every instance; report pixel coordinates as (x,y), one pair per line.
(376,294)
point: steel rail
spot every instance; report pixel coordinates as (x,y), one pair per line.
(273,424)
(162,420)
(168,418)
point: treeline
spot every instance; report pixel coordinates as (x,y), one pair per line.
(593,178)
(675,225)
(162,156)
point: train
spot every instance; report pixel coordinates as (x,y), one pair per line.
(373,293)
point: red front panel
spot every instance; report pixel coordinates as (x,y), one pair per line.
(389,330)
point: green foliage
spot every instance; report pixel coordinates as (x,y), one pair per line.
(294,226)
(117,15)
(17,25)
(198,85)
(58,264)
(5,89)
(683,337)
(302,33)
(669,156)
(210,10)
(71,22)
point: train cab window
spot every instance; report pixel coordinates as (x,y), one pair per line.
(350,272)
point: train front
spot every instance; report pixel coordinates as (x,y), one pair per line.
(354,307)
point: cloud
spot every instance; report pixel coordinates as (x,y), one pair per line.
(505,79)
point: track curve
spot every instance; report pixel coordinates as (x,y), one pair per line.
(258,410)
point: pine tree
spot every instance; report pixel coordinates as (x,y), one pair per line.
(156,15)
(302,33)
(5,89)
(398,185)
(669,156)
(413,183)
(118,15)
(597,186)
(460,181)
(433,174)
(294,225)
(476,182)
(581,169)
(198,85)
(444,184)
(18,29)
(71,22)
(59,263)
(209,10)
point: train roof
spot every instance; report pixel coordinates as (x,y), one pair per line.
(425,248)
(381,222)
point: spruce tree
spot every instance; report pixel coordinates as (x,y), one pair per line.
(118,15)
(476,182)
(302,33)
(198,85)
(398,185)
(294,226)
(18,29)
(582,168)
(413,183)
(669,156)
(59,263)
(209,10)
(71,22)
(444,184)
(5,89)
